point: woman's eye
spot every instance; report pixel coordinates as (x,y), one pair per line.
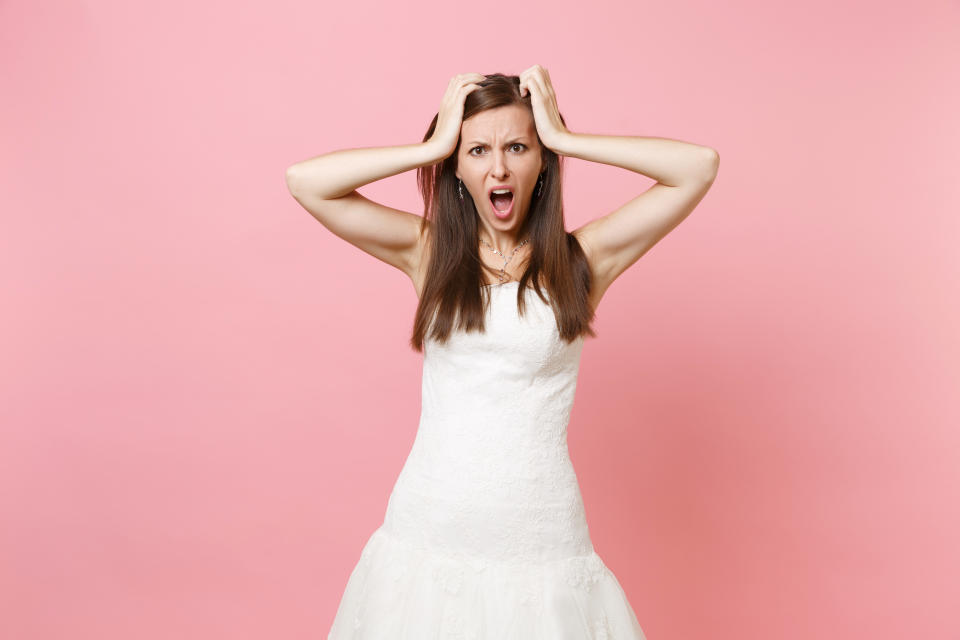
(515,144)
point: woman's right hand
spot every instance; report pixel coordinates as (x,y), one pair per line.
(450,117)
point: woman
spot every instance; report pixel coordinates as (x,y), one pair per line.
(485,535)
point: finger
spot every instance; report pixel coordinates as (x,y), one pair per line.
(540,84)
(535,70)
(461,81)
(528,85)
(546,77)
(472,80)
(533,74)
(467,77)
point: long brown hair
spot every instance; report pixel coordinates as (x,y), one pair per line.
(452,290)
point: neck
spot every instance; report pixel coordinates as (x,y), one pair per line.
(505,245)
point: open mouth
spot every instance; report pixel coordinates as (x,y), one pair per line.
(502,200)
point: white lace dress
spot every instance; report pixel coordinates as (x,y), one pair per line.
(485,535)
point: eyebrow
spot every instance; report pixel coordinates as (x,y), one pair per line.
(519,139)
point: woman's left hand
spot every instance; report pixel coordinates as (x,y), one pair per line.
(535,82)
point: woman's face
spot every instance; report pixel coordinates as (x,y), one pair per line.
(499,148)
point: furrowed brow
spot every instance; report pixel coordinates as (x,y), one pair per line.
(520,139)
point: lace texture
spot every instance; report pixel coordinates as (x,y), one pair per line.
(485,534)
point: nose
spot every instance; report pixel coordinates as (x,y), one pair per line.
(499,169)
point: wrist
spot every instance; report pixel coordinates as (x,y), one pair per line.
(559,143)
(433,153)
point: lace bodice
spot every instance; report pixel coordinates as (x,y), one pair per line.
(491,446)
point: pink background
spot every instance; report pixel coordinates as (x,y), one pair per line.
(206,397)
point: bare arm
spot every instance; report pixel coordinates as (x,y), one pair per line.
(326,187)
(335,174)
(669,162)
(684,173)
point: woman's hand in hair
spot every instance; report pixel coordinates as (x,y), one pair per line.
(535,82)
(450,117)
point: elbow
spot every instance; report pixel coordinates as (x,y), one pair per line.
(711,163)
(703,169)
(291,178)
(714,159)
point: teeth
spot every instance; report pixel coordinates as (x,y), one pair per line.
(501,191)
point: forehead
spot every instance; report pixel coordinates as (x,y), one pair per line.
(512,121)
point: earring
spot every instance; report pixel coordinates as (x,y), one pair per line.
(460,188)
(540,187)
